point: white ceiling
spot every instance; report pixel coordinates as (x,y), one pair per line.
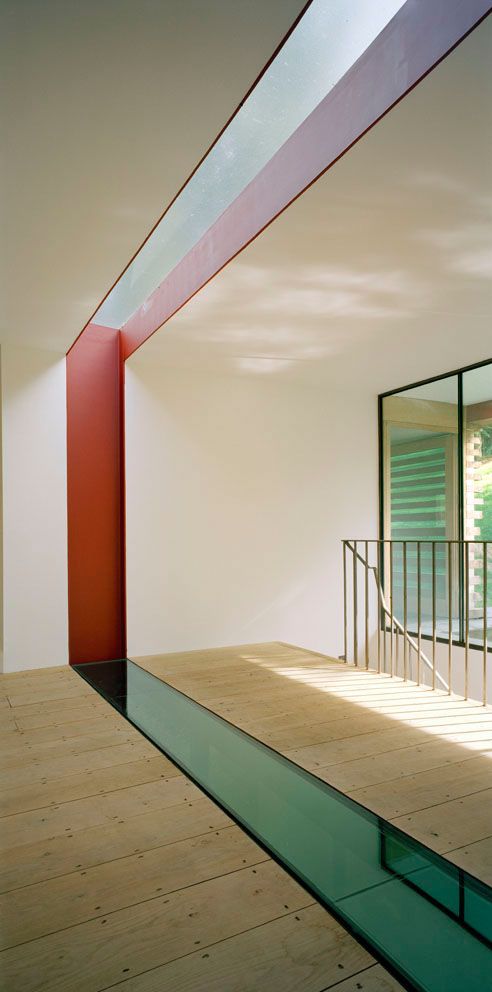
(107,107)
(381,273)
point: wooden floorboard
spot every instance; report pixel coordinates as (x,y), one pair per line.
(46,767)
(475,858)
(377,769)
(50,711)
(398,796)
(21,750)
(94,955)
(20,799)
(452,824)
(117,871)
(91,709)
(36,861)
(421,759)
(59,731)
(293,954)
(81,814)
(62,902)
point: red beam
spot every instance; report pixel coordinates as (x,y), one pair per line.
(95,491)
(415,40)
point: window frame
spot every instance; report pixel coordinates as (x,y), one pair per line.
(384,487)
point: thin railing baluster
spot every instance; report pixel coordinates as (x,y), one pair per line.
(433,614)
(405,611)
(391,608)
(382,558)
(378,606)
(484,677)
(345,640)
(366,605)
(467,615)
(459,560)
(419,611)
(356,619)
(450,614)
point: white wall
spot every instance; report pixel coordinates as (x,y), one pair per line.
(239,491)
(34,508)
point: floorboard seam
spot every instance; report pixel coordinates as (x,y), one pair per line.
(445,803)
(76,871)
(132,905)
(422,809)
(470,843)
(108,822)
(362,971)
(57,804)
(204,947)
(380,754)
(403,778)
(116,764)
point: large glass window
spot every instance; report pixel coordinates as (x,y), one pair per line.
(477,508)
(477,418)
(437,488)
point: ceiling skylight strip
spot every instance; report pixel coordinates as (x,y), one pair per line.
(329,38)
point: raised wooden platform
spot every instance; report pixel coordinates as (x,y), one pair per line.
(116,871)
(419,758)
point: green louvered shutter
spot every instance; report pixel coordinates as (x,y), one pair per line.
(418,492)
(419,511)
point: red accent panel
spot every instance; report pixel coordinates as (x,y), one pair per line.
(96,573)
(414,41)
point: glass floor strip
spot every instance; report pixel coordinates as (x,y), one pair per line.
(426,919)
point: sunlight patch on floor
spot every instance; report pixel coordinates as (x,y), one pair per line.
(449,717)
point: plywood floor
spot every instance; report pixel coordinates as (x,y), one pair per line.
(420,759)
(117,872)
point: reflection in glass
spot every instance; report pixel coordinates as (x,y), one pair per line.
(420,438)
(430,920)
(477,469)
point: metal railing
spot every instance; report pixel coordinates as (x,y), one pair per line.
(419,609)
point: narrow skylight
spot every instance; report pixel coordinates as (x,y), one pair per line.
(326,42)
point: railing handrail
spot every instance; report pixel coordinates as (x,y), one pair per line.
(393,619)
(415,540)
(456,576)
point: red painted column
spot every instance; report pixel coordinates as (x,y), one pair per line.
(95,483)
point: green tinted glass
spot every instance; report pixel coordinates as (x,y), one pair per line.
(429,920)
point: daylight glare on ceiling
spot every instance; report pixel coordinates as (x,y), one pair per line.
(328,39)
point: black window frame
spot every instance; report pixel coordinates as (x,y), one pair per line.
(458,374)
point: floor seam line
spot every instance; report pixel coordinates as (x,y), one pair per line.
(103,767)
(380,754)
(142,902)
(92,795)
(76,871)
(402,778)
(446,803)
(215,943)
(109,821)
(422,809)
(470,843)
(361,971)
